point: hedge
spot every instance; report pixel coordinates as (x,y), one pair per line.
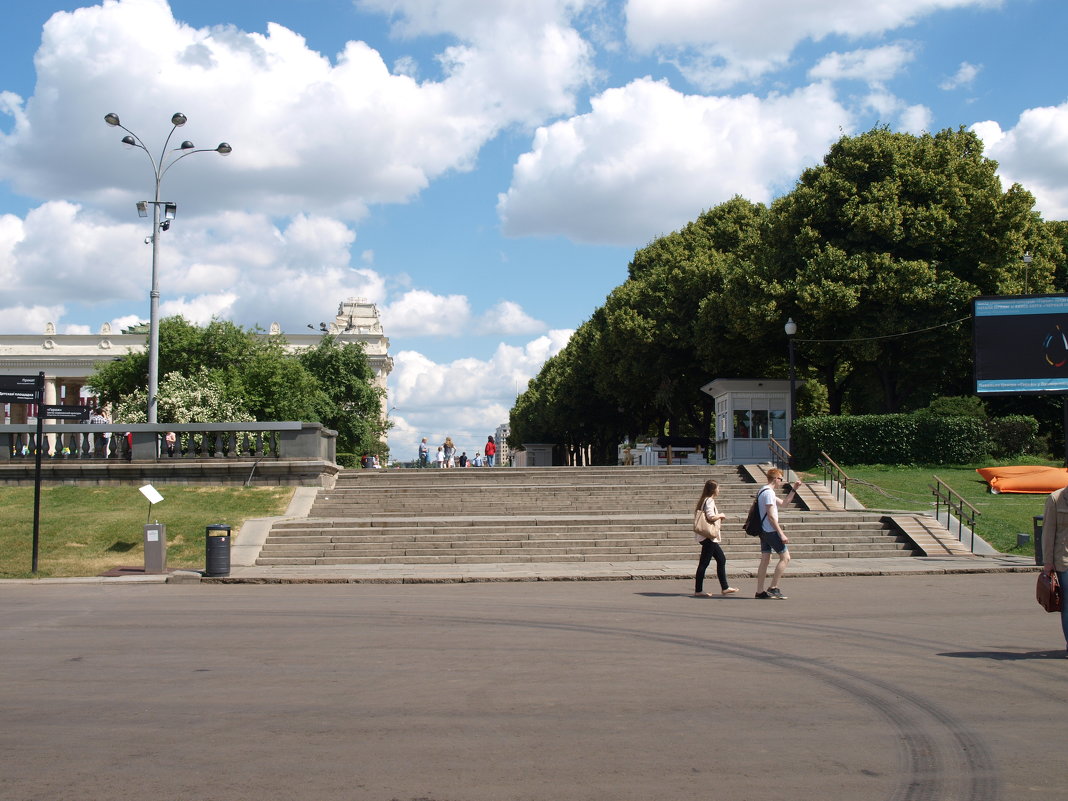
(911,438)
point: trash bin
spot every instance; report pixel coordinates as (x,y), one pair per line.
(1037,522)
(217,550)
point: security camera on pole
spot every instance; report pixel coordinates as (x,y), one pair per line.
(159,169)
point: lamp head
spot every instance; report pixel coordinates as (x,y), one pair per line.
(790,327)
(186,145)
(178,119)
(111,119)
(224,149)
(129,141)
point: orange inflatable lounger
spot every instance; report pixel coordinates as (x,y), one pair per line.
(1024,478)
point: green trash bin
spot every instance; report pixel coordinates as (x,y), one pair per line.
(217,550)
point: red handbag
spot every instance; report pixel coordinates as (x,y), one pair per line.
(1048,592)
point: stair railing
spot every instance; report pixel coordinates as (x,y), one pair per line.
(836,477)
(954,503)
(780,457)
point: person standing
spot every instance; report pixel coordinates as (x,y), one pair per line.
(772,538)
(439,458)
(710,546)
(424,454)
(450,453)
(1055,547)
(491,451)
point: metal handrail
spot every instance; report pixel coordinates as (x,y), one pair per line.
(780,457)
(943,493)
(837,477)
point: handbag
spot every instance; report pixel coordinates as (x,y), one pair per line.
(702,529)
(1048,592)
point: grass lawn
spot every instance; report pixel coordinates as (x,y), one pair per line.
(85,531)
(1001,518)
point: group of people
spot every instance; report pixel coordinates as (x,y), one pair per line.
(446,455)
(773,539)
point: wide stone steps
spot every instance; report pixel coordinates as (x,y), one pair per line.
(504,515)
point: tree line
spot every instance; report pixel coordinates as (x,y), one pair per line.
(875,254)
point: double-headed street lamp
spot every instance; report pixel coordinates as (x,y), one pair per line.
(159,169)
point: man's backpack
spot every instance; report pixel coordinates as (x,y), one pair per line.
(753,524)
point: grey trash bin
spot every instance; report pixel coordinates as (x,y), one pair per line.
(1037,522)
(217,550)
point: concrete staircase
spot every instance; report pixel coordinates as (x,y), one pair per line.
(551,514)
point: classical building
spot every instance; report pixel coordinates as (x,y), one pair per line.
(69,359)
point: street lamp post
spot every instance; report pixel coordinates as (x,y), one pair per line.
(160,167)
(791,329)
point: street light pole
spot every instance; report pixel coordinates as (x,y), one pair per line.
(160,167)
(791,329)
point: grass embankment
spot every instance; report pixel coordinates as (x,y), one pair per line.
(85,531)
(1001,517)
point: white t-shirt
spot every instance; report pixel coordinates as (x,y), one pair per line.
(769,508)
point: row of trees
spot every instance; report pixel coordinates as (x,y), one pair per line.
(222,372)
(875,254)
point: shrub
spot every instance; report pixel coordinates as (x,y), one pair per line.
(1013,435)
(891,439)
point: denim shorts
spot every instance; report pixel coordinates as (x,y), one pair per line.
(771,542)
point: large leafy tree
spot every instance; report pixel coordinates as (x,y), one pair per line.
(893,233)
(350,402)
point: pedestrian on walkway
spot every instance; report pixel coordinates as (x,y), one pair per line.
(424,454)
(1055,547)
(772,538)
(491,451)
(710,546)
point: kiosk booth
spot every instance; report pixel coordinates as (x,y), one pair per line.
(749,413)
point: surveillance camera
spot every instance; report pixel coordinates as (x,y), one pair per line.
(165,225)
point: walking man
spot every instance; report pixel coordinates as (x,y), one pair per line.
(424,454)
(772,538)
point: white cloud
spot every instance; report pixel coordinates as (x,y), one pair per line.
(722,43)
(964,76)
(873,65)
(234,265)
(421,313)
(309,136)
(1033,153)
(473,395)
(30,318)
(647,159)
(507,318)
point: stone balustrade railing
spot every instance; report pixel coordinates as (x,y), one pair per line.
(144,442)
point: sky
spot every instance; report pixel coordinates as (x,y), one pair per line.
(482,170)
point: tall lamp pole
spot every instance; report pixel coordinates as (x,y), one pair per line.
(159,169)
(791,329)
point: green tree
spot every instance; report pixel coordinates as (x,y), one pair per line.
(351,403)
(247,376)
(894,233)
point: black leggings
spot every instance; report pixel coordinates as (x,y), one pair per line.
(709,551)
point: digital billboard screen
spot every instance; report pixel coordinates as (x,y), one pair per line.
(1021,344)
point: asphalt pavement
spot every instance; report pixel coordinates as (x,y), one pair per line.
(903,687)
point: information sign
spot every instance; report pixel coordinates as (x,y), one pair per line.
(20,389)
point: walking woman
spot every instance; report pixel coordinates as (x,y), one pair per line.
(710,547)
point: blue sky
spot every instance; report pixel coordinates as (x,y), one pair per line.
(482,171)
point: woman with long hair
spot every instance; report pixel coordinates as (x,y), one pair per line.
(710,547)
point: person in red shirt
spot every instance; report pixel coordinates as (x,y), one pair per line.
(491,451)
